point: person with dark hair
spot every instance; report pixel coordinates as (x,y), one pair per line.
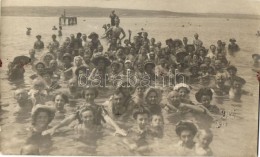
(54,45)
(116,31)
(38,44)
(186,130)
(136,139)
(233,47)
(113,16)
(60,100)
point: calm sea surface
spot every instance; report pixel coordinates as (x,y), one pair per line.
(237,138)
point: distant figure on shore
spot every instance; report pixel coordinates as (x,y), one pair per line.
(38,44)
(28,32)
(54,28)
(113,16)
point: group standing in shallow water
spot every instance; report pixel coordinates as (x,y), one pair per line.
(135,71)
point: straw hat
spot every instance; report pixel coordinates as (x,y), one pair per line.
(100,56)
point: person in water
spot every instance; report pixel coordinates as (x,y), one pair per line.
(136,139)
(204,138)
(28,32)
(100,115)
(60,100)
(233,47)
(24,103)
(186,131)
(38,45)
(42,116)
(37,93)
(236,90)
(156,127)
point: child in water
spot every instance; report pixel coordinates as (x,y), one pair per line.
(156,126)
(204,138)
(38,93)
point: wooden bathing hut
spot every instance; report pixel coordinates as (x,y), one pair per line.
(67,20)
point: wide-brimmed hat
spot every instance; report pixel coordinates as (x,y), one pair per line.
(38,36)
(177,41)
(92,35)
(203,91)
(231,67)
(186,125)
(169,40)
(146,63)
(203,66)
(181,85)
(190,46)
(67,55)
(232,40)
(100,56)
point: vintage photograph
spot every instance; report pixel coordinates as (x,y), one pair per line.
(129,77)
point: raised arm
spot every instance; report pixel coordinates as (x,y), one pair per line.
(63,123)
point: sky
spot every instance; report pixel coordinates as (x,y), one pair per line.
(190,6)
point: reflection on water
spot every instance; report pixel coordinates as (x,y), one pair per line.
(234,134)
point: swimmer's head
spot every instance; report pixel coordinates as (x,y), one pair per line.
(205,137)
(32,52)
(60,100)
(141,115)
(87,116)
(186,130)
(90,93)
(152,96)
(53,36)
(196,35)
(173,98)
(145,34)
(30,149)
(213,48)
(21,95)
(157,120)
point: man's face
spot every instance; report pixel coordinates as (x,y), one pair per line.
(186,137)
(142,120)
(118,99)
(87,117)
(156,121)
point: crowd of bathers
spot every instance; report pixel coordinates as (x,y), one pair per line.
(137,105)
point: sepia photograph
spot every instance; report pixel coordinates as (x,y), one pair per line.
(129,77)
